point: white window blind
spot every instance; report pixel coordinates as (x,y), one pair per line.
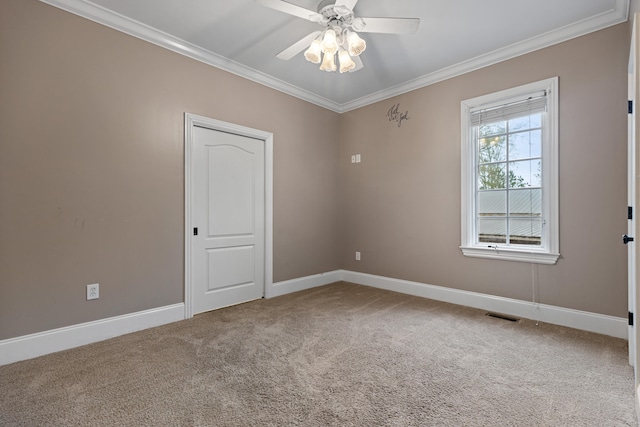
(532,105)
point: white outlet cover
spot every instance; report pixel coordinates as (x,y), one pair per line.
(93,291)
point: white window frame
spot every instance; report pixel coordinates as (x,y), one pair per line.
(549,250)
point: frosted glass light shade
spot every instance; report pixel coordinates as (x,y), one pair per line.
(328,62)
(314,53)
(329,42)
(346,63)
(356,44)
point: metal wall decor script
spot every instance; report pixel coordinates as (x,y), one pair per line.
(394,115)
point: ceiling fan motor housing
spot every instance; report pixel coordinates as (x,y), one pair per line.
(339,18)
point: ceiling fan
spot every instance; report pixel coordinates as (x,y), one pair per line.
(339,34)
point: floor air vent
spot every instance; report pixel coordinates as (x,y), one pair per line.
(503,317)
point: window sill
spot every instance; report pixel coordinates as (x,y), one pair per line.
(508,254)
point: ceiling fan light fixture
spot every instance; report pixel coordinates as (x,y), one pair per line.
(346,63)
(339,33)
(328,62)
(329,42)
(355,44)
(314,53)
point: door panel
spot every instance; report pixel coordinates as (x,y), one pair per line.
(228,250)
(231,212)
(230,267)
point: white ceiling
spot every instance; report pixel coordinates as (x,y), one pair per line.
(454,37)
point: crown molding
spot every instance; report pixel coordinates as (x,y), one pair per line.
(618,14)
(106,17)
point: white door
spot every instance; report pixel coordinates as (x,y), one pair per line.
(227,219)
(632,163)
(631,197)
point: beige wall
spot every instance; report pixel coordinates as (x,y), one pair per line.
(91,174)
(401,206)
(91,169)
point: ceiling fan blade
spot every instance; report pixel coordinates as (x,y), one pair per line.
(298,46)
(291,9)
(358,62)
(349,4)
(390,25)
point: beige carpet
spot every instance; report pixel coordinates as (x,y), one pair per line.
(339,355)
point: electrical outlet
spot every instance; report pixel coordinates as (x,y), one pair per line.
(357,256)
(93,291)
(353,158)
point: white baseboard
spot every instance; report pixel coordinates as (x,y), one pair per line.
(34,345)
(302,283)
(41,343)
(637,399)
(592,322)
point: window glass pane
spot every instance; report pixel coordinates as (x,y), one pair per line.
(526,122)
(525,202)
(524,145)
(492,176)
(493,128)
(519,123)
(492,203)
(525,173)
(525,231)
(493,149)
(491,230)
(535,120)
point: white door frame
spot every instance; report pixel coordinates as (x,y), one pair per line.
(191,120)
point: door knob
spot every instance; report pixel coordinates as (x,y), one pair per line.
(626,239)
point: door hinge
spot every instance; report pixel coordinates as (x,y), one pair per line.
(195,231)
(630,106)
(629,212)
(630,319)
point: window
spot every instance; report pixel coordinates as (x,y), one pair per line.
(510,174)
